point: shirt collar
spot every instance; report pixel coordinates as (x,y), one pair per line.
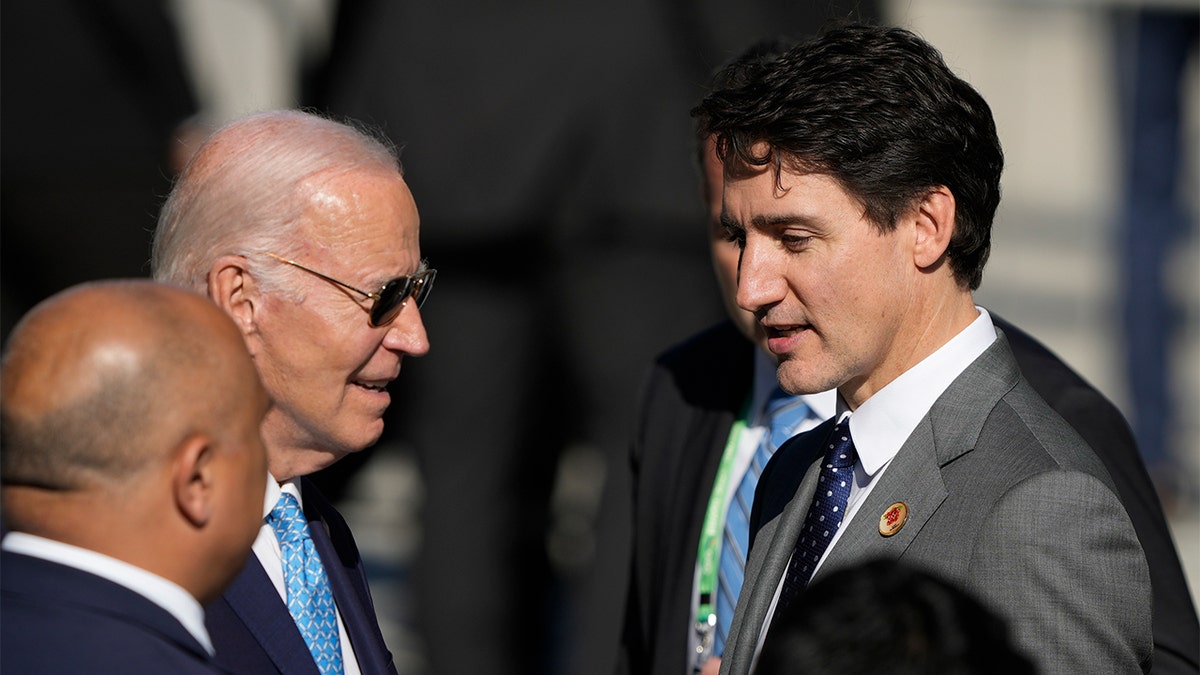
(276,489)
(884,422)
(161,591)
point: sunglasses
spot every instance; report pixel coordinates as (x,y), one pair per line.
(390,298)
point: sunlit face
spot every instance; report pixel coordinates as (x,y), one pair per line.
(324,365)
(725,251)
(829,290)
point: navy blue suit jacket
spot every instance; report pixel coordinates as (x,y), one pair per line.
(254,634)
(58,619)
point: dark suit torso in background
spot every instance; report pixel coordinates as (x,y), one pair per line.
(689,404)
(58,619)
(254,634)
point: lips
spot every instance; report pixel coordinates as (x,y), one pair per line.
(783,338)
(775,329)
(379,383)
(784,331)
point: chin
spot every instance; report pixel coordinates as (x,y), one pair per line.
(354,434)
(371,434)
(797,379)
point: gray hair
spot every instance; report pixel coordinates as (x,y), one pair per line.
(246,189)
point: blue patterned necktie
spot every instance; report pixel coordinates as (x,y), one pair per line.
(824,514)
(783,414)
(309,598)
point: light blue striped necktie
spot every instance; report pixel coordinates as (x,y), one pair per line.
(309,598)
(783,414)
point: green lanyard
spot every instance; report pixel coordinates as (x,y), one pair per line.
(714,521)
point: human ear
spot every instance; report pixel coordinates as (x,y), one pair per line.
(192,479)
(232,287)
(934,219)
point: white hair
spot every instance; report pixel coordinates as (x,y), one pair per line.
(247,187)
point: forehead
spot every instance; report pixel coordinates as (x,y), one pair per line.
(767,198)
(361,214)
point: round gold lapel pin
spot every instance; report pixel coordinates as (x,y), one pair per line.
(893,519)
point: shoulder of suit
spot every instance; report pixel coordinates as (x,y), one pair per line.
(314,499)
(720,339)
(717,364)
(1032,433)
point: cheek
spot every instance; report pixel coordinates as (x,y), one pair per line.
(859,277)
(323,352)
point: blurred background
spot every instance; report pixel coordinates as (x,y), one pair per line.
(549,148)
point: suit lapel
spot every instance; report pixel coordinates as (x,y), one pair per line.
(254,599)
(769,556)
(343,567)
(914,476)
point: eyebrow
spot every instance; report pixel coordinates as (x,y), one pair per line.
(421,269)
(763,222)
(728,222)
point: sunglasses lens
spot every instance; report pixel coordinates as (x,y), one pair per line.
(392,297)
(424,285)
(391,300)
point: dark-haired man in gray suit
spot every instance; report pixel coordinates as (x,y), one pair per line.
(861,177)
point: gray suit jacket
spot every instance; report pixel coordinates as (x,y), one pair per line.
(1003,498)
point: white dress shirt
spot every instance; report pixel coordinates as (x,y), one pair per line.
(163,592)
(266,547)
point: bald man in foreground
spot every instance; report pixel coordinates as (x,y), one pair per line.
(132,472)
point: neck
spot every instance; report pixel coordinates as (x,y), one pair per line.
(289,454)
(120,523)
(923,332)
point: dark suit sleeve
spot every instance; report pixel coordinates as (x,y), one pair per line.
(687,407)
(633,657)
(1097,420)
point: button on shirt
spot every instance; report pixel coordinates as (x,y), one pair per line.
(270,556)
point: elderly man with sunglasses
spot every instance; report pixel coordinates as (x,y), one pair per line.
(288,221)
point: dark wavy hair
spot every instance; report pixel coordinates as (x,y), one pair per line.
(878,110)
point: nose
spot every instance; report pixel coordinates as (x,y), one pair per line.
(406,333)
(760,276)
